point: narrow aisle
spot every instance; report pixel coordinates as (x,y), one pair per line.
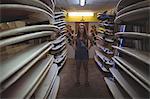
(68,90)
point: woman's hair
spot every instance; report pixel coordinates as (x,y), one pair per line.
(84,33)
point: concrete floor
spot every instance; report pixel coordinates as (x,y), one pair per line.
(97,89)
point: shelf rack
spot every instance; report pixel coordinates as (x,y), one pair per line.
(27,65)
(104,40)
(132,57)
(59,50)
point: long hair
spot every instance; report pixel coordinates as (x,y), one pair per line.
(85,36)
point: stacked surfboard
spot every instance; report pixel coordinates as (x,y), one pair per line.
(59,50)
(59,21)
(27,68)
(104,41)
(130,74)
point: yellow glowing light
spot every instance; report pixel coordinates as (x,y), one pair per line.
(80,14)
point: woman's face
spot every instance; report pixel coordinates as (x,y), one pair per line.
(81,29)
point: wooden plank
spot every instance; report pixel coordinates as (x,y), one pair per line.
(47,83)
(54,91)
(23,8)
(16,62)
(138,5)
(25,84)
(126,84)
(22,71)
(140,55)
(26,29)
(133,15)
(132,35)
(26,37)
(117,94)
(100,65)
(134,70)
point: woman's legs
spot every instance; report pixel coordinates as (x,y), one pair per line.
(85,66)
(78,66)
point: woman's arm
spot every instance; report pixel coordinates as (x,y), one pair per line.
(74,43)
(89,44)
(89,41)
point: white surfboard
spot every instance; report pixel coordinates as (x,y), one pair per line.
(126,84)
(27,82)
(141,55)
(104,58)
(100,64)
(55,88)
(133,71)
(47,84)
(60,58)
(28,10)
(25,37)
(35,3)
(28,29)
(57,47)
(132,35)
(104,49)
(16,62)
(130,16)
(5,84)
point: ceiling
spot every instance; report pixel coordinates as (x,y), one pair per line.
(91,5)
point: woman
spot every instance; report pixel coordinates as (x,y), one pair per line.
(81,53)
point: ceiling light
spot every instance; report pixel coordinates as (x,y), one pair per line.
(80,14)
(82,2)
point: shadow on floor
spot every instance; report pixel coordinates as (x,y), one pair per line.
(96,90)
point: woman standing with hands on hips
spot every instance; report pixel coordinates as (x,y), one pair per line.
(81,46)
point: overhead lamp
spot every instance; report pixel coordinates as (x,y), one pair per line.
(82,2)
(80,13)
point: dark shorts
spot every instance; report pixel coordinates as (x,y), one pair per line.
(81,54)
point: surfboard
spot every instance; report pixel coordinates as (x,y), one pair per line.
(140,55)
(8,9)
(26,83)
